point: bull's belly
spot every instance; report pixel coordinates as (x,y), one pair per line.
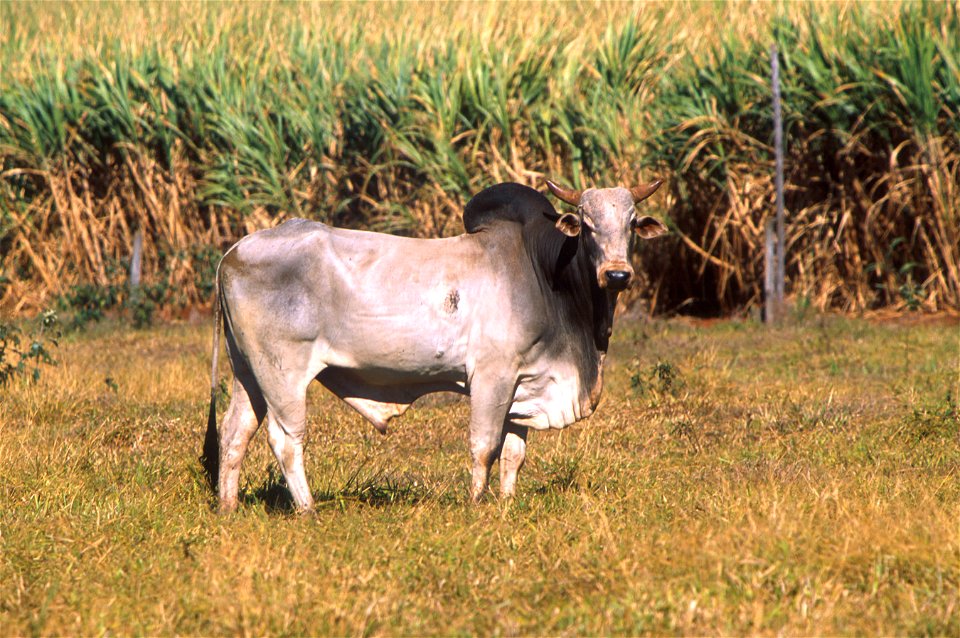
(450,378)
(552,398)
(382,358)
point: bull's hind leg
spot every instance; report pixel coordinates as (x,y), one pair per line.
(286,427)
(285,431)
(243,417)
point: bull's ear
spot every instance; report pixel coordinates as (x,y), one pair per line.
(648,227)
(569,224)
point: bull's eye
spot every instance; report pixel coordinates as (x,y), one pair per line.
(585,220)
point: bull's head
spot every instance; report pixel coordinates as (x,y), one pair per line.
(605,217)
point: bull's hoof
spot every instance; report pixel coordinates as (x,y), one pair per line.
(227,507)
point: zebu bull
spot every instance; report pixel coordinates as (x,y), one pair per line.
(516,313)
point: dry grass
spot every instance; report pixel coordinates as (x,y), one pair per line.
(735,480)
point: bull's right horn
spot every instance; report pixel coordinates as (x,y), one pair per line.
(567,195)
(640,193)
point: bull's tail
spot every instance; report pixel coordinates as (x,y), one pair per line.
(211,445)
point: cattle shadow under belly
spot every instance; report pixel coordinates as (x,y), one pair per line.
(383,399)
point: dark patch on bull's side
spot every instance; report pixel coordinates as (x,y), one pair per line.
(452,302)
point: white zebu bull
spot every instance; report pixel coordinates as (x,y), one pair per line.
(516,313)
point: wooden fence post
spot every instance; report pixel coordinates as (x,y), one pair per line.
(775,263)
(769,272)
(136,260)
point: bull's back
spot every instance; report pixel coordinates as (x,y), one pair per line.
(383,304)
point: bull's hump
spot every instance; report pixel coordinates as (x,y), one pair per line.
(507,202)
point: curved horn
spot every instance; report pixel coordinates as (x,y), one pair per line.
(568,195)
(640,193)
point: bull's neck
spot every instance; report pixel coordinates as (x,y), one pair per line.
(590,307)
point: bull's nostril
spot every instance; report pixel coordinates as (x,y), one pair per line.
(618,278)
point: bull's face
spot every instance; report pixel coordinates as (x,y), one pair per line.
(604,220)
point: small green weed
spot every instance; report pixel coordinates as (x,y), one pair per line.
(911,293)
(663,377)
(561,475)
(29,357)
(939,420)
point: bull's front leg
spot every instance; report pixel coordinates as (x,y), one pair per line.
(512,455)
(490,400)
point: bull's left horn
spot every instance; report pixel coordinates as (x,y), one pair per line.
(640,193)
(568,195)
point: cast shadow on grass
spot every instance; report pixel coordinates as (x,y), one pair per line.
(374,489)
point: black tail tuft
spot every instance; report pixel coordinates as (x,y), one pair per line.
(211,447)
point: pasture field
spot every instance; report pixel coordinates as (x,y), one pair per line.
(736,479)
